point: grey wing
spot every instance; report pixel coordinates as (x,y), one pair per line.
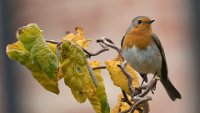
(164,69)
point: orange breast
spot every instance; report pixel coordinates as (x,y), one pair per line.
(137,37)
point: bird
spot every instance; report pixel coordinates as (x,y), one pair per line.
(142,49)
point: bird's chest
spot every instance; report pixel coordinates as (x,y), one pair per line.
(145,61)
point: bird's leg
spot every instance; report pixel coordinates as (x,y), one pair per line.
(141,98)
(147,88)
(154,87)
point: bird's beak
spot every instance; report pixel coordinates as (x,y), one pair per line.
(151,21)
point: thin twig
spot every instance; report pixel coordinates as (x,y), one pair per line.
(125,99)
(52,41)
(111,45)
(89,54)
(134,106)
(140,101)
(130,79)
(149,87)
(99,67)
(102,45)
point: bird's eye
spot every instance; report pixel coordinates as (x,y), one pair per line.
(139,21)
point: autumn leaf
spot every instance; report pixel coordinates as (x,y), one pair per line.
(75,71)
(33,40)
(87,84)
(118,77)
(16,51)
(78,38)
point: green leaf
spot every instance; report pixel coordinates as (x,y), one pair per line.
(74,68)
(16,51)
(33,40)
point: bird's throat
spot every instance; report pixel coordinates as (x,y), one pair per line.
(138,38)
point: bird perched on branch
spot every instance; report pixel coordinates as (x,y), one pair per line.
(142,49)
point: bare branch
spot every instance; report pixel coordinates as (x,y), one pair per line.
(99,67)
(149,87)
(111,45)
(140,101)
(52,41)
(89,54)
(130,79)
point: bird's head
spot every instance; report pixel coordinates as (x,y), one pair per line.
(140,23)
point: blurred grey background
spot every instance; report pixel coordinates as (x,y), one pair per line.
(177,25)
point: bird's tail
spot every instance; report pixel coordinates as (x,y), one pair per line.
(171,90)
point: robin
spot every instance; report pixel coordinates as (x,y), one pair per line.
(142,49)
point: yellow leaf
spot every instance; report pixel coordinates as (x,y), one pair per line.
(83,43)
(80,34)
(78,38)
(118,77)
(71,37)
